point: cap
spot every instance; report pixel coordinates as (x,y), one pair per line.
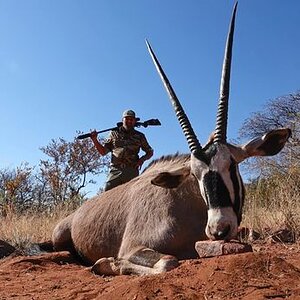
(128,113)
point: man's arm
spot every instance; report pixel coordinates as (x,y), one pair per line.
(102,150)
(148,152)
(143,158)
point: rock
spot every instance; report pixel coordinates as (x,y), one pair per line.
(6,249)
(218,248)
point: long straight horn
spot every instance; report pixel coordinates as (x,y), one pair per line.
(222,115)
(184,122)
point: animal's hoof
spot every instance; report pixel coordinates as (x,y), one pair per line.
(106,266)
(166,263)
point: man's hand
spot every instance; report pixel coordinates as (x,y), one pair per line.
(94,135)
(97,144)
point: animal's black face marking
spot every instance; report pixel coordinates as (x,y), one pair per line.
(239,190)
(221,187)
(216,192)
(222,183)
(207,153)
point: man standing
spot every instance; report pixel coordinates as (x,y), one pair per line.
(124,143)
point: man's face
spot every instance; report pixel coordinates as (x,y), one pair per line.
(129,122)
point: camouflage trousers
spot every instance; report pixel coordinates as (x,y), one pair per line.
(117,176)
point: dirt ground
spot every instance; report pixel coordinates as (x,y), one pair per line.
(272,271)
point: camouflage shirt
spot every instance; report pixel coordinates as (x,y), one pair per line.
(125,146)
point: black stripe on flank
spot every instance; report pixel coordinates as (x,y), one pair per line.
(216,191)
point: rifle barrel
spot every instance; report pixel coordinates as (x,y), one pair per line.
(151,122)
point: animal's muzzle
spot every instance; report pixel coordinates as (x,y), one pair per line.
(221,234)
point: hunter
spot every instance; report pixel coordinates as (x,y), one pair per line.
(124,143)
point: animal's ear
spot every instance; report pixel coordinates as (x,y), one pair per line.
(269,144)
(171,179)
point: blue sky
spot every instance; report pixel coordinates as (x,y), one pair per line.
(73,65)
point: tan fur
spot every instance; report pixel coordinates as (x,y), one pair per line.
(138,214)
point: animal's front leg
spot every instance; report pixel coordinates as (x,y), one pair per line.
(140,261)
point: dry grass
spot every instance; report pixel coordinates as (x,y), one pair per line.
(31,227)
(273,205)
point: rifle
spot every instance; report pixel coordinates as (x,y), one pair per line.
(151,122)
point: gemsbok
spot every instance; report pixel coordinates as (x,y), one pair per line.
(146,225)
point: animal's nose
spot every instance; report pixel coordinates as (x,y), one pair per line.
(222,234)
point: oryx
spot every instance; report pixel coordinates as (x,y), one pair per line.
(147,224)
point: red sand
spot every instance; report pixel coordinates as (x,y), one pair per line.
(272,271)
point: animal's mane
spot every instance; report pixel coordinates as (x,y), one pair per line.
(168,158)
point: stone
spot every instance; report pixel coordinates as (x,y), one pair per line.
(218,248)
